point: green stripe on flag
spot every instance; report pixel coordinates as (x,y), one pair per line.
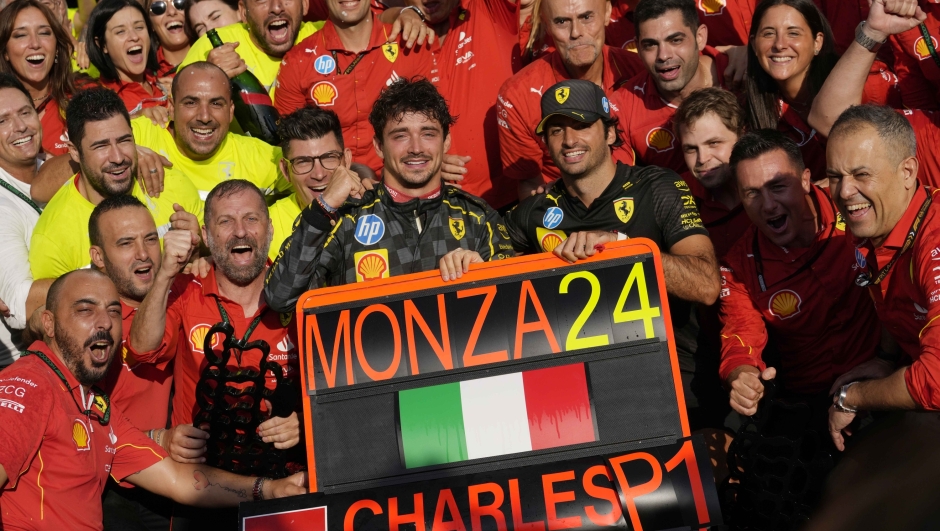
(432,430)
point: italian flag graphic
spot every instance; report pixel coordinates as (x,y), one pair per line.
(499,415)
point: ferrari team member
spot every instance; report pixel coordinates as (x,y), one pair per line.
(709,122)
(474,38)
(411,222)
(673,46)
(598,200)
(125,247)
(64,438)
(198,141)
(312,142)
(841,89)
(873,179)
(343,67)
(577,30)
(102,143)
(916,60)
(792,276)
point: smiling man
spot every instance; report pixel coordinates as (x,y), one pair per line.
(790,278)
(198,141)
(673,45)
(102,143)
(409,223)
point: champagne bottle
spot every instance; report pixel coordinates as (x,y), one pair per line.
(253,107)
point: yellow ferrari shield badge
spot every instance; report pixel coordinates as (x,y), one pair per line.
(457,228)
(391,51)
(561,94)
(623,207)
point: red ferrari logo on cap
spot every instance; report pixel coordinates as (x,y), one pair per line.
(660,139)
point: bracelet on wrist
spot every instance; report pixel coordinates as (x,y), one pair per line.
(326,208)
(416,10)
(840,401)
(257,491)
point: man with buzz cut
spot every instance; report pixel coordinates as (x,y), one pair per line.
(102,143)
(597,201)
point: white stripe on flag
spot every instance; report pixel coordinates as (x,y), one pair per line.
(494,416)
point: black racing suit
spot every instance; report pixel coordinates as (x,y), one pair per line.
(375,237)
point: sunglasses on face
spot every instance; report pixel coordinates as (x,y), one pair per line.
(158,7)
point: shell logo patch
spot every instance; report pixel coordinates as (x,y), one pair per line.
(921,49)
(712,7)
(630,46)
(549,239)
(785,304)
(623,207)
(390,50)
(660,139)
(457,227)
(80,436)
(323,93)
(371,265)
(561,94)
(197,337)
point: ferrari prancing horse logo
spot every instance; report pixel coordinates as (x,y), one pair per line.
(623,207)
(457,228)
(391,51)
(561,94)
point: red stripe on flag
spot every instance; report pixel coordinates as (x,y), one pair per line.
(252,98)
(558,406)
(313,519)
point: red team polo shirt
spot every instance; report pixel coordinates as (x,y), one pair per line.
(724,226)
(926,126)
(620,32)
(134,96)
(646,118)
(917,70)
(475,59)
(908,299)
(728,22)
(309,75)
(519,111)
(190,314)
(822,322)
(57,458)
(54,136)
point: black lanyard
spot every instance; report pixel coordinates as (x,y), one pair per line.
(21,195)
(240,343)
(758,261)
(352,65)
(864,279)
(85,410)
(929,42)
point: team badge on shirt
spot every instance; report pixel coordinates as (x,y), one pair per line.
(660,139)
(840,222)
(390,50)
(921,49)
(623,207)
(457,227)
(785,304)
(369,229)
(549,239)
(553,217)
(712,7)
(323,93)
(286,317)
(197,337)
(860,259)
(371,265)
(324,65)
(80,436)
(561,94)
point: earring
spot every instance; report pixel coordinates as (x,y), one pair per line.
(56,60)
(815,52)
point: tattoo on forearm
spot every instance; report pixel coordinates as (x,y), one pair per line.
(202,482)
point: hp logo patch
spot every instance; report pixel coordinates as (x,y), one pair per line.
(324,65)
(369,229)
(553,217)
(605,104)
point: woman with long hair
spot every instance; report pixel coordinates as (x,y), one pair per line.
(204,15)
(790,55)
(122,47)
(38,50)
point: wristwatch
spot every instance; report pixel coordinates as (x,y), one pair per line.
(418,11)
(840,401)
(867,42)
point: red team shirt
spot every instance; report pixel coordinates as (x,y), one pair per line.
(917,70)
(908,299)
(728,21)
(57,458)
(135,96)
(926,126)
(822,322)
(646,118)
(55,138)
(724,225)
(191,312)
(524,154)
(309,75)
(473,63)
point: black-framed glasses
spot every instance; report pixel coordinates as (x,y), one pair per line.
(329,160)
(158,7)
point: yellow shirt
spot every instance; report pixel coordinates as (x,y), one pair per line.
(238,157)
(262,65)
(283,215)
(60,241)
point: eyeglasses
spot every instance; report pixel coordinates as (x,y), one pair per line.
(329,160)
(158,7)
